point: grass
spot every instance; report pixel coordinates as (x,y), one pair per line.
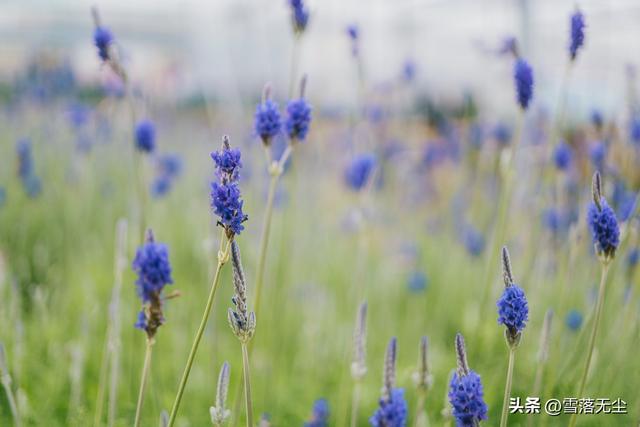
(56,279)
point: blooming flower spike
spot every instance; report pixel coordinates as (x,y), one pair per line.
(523,75)
(298,115)
(466,395)
(513,310)
(577,34)
(603,223)
(392,411)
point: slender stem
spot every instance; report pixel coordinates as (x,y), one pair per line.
(102,379)
(264,239)
(247,384)
(420,415)
(355,402)
(501,226)
(507,388)
(143,381)
(592,339)
(222,259)
(294,64)
(6,383)
(537,387)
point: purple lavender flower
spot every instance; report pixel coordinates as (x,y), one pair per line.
(408,70)
(602,222)
(299,16)
(320,415)
(562,156)
(353,31)
(26,170)
(633,257)
(513,310)
(574,320)
(392,412)
(298,119)
(151,264)
(268,122)
(359,171)
(466,396)
(145,134)
(473,240)
(103,39)
(502,133)
(604,227)
(523,75)
(577,33)
(417,281)
(596,119)
(226,199)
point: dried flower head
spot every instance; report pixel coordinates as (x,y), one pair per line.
(219,412)
(422,377)
(242,322)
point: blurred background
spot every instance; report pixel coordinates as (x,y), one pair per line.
(227,49)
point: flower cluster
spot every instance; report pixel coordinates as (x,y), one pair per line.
(298,119)
(577,33)
(392,411)
(467,399)
(152,266)
(320,414)
(513,310)
(145,136)
(242,322)
(465,391)
(562,156)
(604,227)
(523,75)
(299,16)
(103,39)
(268,122)
(359,171)
(574,320)
(225,195)
(169,167)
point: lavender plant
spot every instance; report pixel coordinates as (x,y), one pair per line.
(359,362)
(466,394)
(219,413)
(319,415)
(153,269)
(392,410)
(268,123)
(227,204)
(513,313)
(606,237)
(242,322)
(423,380)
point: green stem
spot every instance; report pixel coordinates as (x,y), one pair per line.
(222,259)
(354,404)
(264,240)
(247,384)
(294,65)
(6,383)
(420,415)
(592,339)
(143,381)
(102,380)
(507,388)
